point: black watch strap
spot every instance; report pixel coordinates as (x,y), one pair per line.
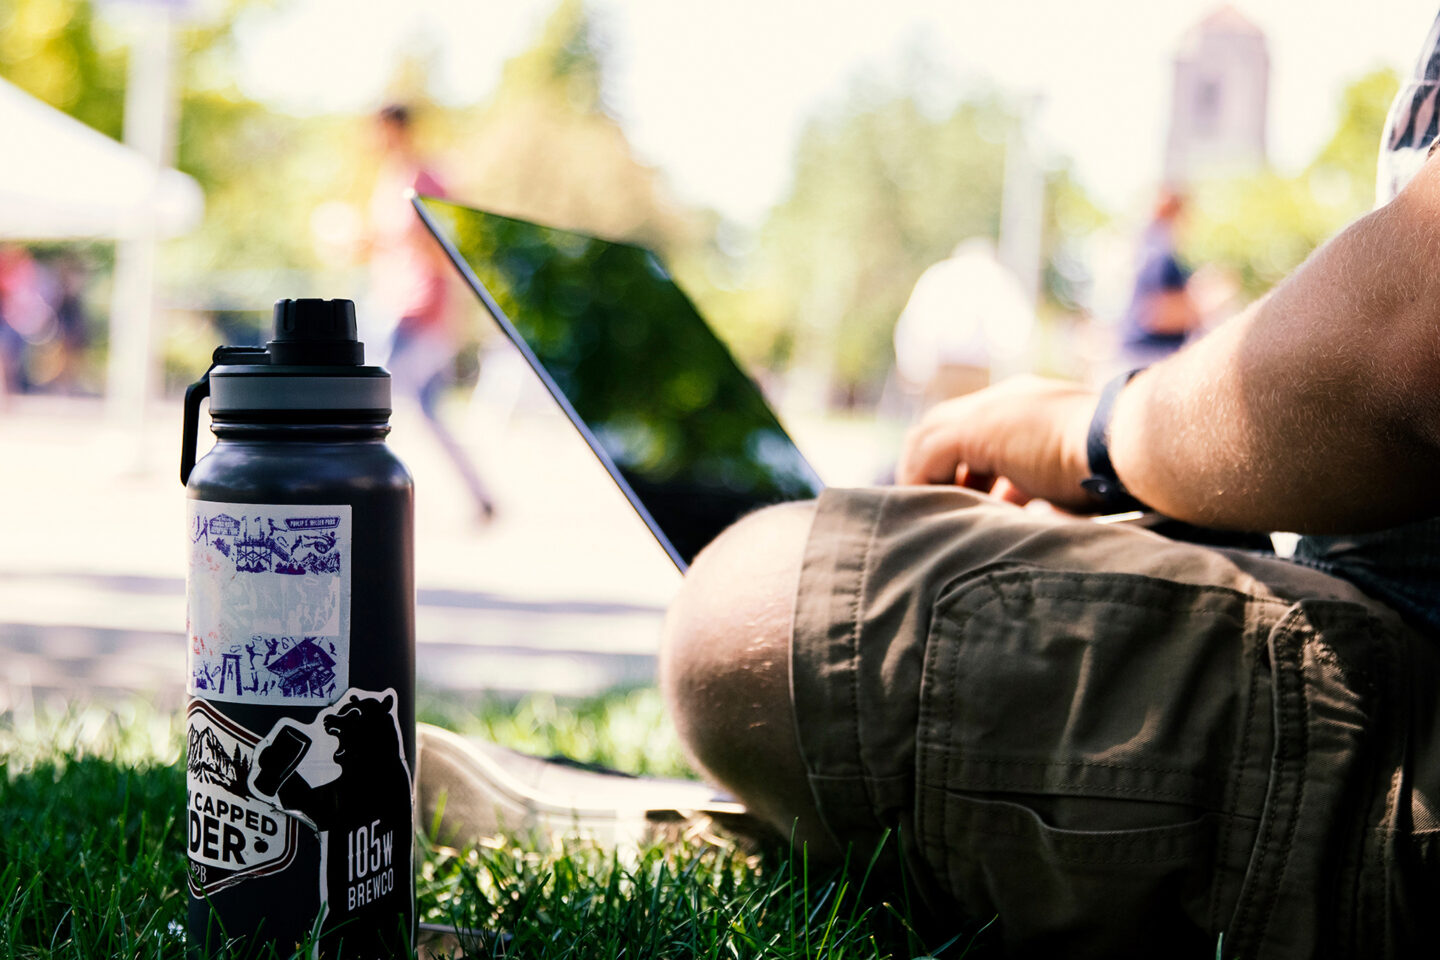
(1103,482)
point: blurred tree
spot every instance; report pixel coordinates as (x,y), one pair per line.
(882,189)
(546,147)
(262,172)
(1345,166)
(55,51)
(1261,227)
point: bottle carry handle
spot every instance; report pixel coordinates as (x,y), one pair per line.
(199,390)
(194,393)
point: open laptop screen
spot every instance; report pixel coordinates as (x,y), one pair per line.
(683,430)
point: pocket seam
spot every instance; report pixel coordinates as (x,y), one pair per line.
(1291,734)
(1181,836)
(852,638)
(1233,792)
(999,761)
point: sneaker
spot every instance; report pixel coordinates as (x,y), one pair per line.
(469,789)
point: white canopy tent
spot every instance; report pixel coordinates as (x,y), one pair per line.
(60,179)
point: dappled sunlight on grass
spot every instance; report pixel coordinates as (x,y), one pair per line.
(131,733)
(625,730)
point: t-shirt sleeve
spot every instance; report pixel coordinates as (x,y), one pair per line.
(428,184)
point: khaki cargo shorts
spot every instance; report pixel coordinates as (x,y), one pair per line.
(1119,744)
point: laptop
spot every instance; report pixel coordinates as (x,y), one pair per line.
(685,433)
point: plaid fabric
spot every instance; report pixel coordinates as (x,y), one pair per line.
(1400,566)
(1413,123)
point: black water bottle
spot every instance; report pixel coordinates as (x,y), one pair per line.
(301,660)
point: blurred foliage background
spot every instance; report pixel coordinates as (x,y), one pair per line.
(885,182)
(1261,227)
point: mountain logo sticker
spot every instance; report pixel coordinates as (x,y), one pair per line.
(232,835)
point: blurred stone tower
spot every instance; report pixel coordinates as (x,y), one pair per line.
(1220,99)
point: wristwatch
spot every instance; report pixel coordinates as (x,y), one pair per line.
(1103,481)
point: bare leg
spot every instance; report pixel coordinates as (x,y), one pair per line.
(430,406)
(725,670)
(420,365)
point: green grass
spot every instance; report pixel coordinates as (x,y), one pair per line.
(91,855)
(627,730)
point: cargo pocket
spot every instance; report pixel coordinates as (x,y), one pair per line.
(1092,749)
(1074,893)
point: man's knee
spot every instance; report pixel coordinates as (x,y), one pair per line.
(725,664)
(725,659)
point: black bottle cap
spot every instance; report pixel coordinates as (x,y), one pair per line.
(316,332)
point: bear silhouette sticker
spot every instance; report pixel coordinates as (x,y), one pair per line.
(345,775)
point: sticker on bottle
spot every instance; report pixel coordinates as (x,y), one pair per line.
(268,602)
(345,775)
(232,834)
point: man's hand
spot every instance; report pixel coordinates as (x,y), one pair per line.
(1315,410)
(1024,437)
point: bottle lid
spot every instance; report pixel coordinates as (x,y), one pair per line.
(316,331)
(315,361)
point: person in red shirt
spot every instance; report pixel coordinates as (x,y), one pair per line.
(409,278)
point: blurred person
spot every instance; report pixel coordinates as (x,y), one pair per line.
(71,335)
(410,280)
(1162,313)
(12,345)
(967,315)
(25,315)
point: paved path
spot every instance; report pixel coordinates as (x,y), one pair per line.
(564,591)
(113,635)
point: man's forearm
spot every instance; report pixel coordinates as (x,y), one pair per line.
(1316,410)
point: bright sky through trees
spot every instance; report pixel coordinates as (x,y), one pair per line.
(715,94)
